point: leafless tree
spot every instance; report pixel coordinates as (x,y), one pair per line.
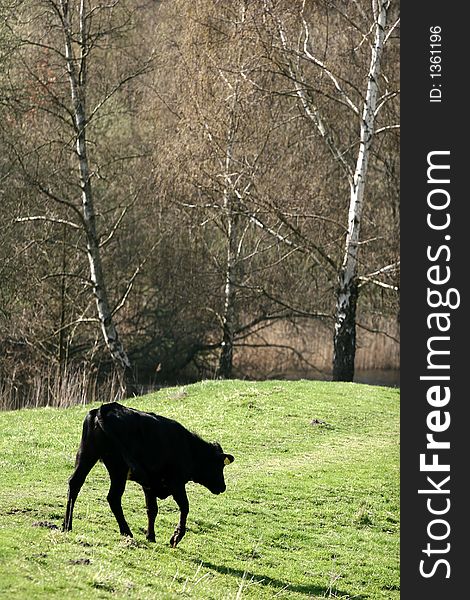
(318,80)
(228,124)
(60,40)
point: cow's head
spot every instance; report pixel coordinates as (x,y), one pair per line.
(211,472)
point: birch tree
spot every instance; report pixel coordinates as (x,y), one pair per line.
(361,100)
(77,72)
(224,116)
(233,250)
(59,40)
(232,213)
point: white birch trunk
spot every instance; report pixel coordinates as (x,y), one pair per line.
(232,270)
(76,79)
(345,318)
(229,315)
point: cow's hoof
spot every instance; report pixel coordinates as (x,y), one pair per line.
(127,534)
(66,525)
(177,536)
(150,538)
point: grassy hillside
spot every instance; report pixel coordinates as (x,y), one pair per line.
(311,508)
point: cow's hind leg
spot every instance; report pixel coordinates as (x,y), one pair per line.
(181,500)
(152,511)
(118,471)
(84,463)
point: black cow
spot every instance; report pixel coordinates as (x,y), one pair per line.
(158,453)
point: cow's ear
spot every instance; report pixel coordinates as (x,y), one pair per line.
(228,458)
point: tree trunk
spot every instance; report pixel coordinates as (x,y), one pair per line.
(77,79)
(225,366)
(62,357)
(346,301)
(229,316)
(344,351)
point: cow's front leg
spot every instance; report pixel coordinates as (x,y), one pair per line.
(152,511)
(181,500)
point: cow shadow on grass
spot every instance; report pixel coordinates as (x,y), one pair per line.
(266,581)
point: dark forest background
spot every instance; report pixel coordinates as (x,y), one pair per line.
(175,198)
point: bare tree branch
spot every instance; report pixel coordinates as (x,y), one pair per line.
(386,128)
(131,282)
(49,220)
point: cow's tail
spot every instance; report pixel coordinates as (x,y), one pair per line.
(88,426)
(87,456)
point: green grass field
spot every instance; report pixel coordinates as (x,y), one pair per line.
(311,508)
